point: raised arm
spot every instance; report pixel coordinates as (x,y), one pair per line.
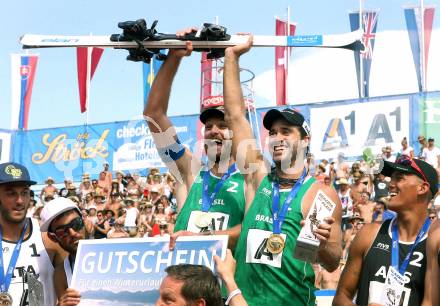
(244,146)
(176,157)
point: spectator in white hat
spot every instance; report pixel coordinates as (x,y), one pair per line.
(62,220)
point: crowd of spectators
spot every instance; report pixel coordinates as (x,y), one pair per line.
(118,205)
(127,205)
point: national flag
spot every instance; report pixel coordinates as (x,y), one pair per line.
(23,69)
(414,26)
(205,79)
(282,55)
(369,25)
(87,59)
(149,72)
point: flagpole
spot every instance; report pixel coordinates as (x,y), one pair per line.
(422,68)
(215,62)
(361,64)
(88,74)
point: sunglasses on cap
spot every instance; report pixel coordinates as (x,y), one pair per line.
(405,160)
(62,231)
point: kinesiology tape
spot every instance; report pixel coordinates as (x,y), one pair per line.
(173,152)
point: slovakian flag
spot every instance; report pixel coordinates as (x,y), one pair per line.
(205,79)
(23,69)
(369,25)
(282,55)
(87,59)
(413,17)
(149,72)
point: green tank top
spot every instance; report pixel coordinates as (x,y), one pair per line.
(226,211)
(277,279)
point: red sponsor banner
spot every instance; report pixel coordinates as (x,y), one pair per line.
(216,101)
(281,62)
(87,61)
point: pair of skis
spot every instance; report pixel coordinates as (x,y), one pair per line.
(139,39)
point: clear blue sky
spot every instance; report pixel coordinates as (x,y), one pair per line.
(116,92)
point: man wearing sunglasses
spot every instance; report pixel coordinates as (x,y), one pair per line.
(387,261)
(62,220)
(25,252)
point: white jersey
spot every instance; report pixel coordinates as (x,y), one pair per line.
(34,259)
(431,156)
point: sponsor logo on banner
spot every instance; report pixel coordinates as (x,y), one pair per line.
(350,128)
(304,40)
(139,151)
(71,151)
(130,271)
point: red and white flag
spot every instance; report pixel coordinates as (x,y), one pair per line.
(420,43)
(281,61)
(87,59)
(23,68)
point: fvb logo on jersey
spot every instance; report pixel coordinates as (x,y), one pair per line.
(60,148)
(14,172)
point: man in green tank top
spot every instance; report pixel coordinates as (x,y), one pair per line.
(279,198)
(213,199)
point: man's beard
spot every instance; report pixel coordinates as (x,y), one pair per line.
(292,157)
(221,158)
(68,248)
(6,215)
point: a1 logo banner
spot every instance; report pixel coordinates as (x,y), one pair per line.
(350,128)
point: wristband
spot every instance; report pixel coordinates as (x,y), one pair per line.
(232,295)
(173,152)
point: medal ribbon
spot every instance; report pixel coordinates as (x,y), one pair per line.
(278,215)
(207,200)
(395,246)
(5,280)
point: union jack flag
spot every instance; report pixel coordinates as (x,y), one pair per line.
(369,26)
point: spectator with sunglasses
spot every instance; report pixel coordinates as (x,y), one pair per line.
(62,220)
(387,260)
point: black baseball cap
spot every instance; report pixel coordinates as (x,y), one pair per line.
(207,113)
(14,173)
(290,115)
(406,165)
